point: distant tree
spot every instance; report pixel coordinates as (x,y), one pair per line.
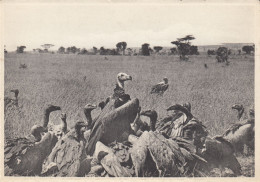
(5,51)
(229,52)
(47,46)
(83,51)
(102,51)
(157,48)
(248,49)
(183,46)
(74,49)
(95,50)
(194,50)
(239,51)
(145,49)
(173,50)
(20,49)
(121,46)
(222,55)
(68,50)
(61,50)
(211,52)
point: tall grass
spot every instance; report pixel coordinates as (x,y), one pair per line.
(58,79)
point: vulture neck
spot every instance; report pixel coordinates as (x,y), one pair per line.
(152,123)
(46,117)
(64,124)
(240,113)
(88,116)
(120,84)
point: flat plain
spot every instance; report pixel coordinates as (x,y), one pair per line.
(72,81)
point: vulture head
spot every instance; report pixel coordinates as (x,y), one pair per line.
(16,92)
(51,108)
(121,78)
(238,107)
(152,114)
(80,128)
(37,131)
(102,104)
(63,116)
(240,110)
(178,107)
(187,105)
(165,80)
(90,107)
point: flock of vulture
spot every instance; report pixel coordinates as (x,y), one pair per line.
(120,143)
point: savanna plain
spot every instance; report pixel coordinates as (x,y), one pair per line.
(72,81)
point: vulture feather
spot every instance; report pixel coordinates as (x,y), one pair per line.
(24,157)
(114,125)
(161,87)
(69,154)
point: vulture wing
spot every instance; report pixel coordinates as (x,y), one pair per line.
(69,156)
(24,157)
(113,126)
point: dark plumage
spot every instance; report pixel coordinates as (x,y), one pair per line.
(69,154)
(152,114)
(113,125)
(24,156)
(240,109)
(161,87)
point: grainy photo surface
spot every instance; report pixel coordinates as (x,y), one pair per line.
(129,89)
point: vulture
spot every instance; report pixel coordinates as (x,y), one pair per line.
(113,125)
(154,155)
(161,87)
(240,111)
(219,153)
(8,101)
(68,156)
(241,134)
(61,130)
(24,157)
(119,92)
(46,115)
(152,114)
(87,112)
(184,124)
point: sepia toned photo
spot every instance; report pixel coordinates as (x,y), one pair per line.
(129,89)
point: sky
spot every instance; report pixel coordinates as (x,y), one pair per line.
(87,25)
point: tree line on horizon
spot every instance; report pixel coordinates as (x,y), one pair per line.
(183,48)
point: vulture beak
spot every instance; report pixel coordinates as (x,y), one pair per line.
(129,78)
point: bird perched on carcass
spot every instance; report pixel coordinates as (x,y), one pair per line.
(161,87)
(68,156)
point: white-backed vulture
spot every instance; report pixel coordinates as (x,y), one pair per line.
(24,157)
(153,154)
(161,87)
(113,125)
(69,154)
(219,153)
(184,124)
(241,134)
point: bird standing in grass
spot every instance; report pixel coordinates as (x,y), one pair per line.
(161,87)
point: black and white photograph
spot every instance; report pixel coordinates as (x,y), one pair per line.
(114,88)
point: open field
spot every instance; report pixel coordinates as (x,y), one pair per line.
(58,79)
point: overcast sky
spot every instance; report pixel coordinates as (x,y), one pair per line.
(88,25)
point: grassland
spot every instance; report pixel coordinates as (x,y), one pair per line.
(58,79)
